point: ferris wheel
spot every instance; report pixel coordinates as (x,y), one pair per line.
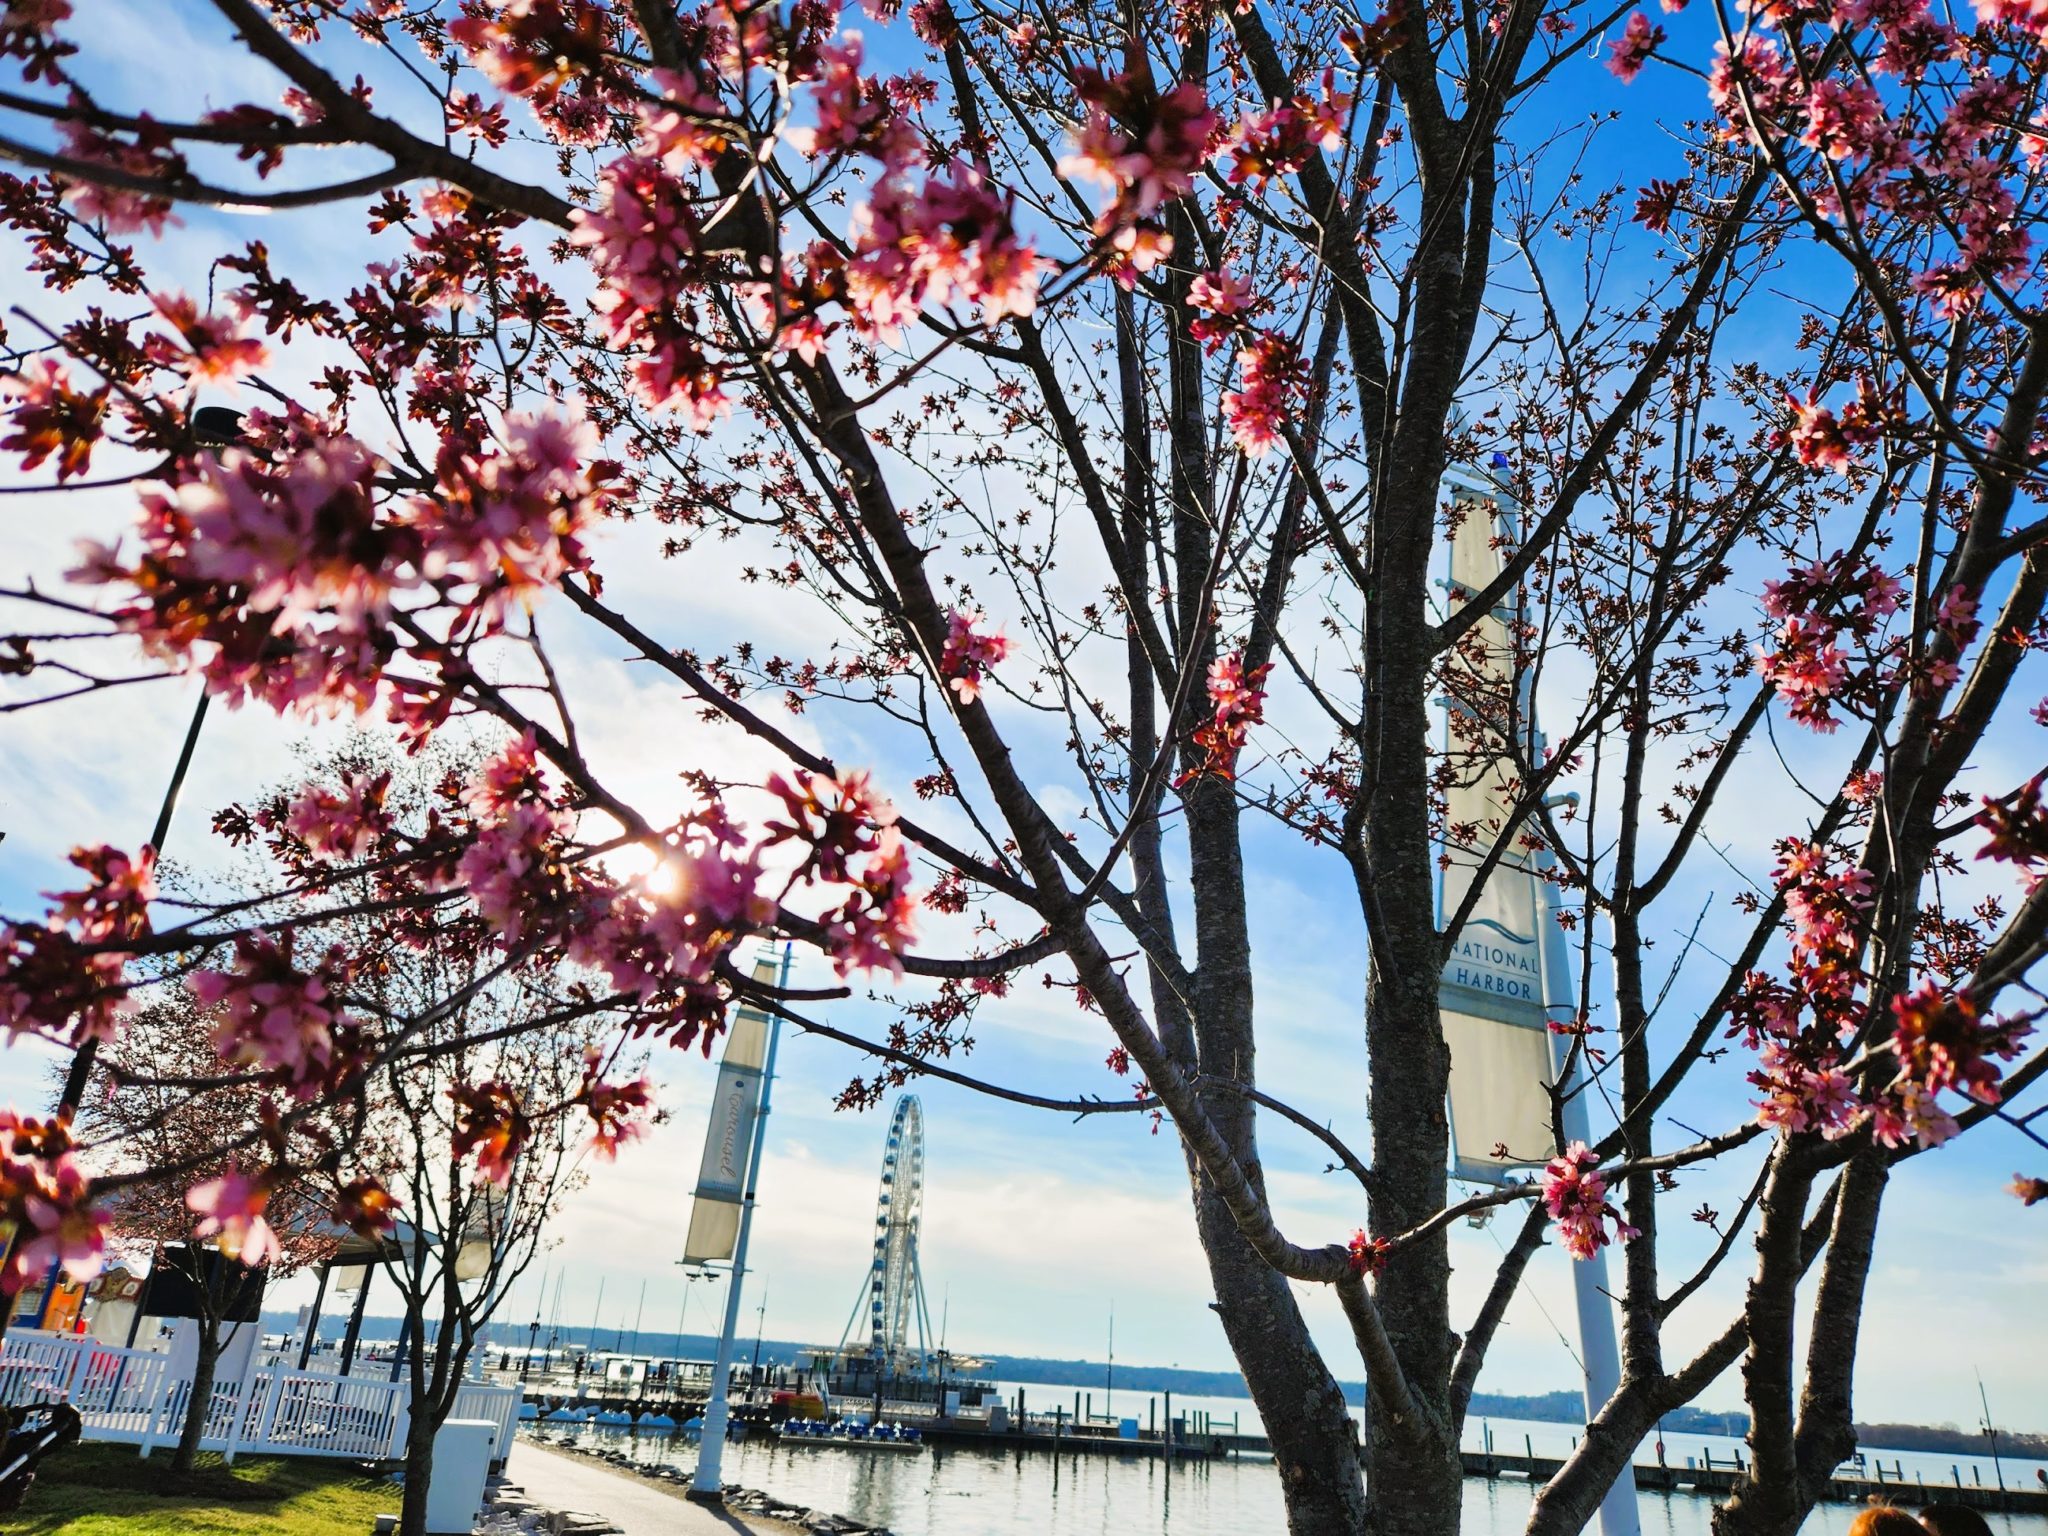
(894,1291)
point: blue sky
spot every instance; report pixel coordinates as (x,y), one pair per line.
(1035,1226)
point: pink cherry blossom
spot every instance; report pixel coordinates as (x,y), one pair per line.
(489,1121)
(969,653)
(952,240)
(838,820)
(875,927)
(1799,1096)
(1143,149)
(231,1209)
(1639,39)
(1575,1194)
(341,824)
(273,1015)
(65,977)
(1272,385)
(1223,298)
(51,417)
(1236,704)
(47,1197)
(618,1111)
(213,352)
(509,519)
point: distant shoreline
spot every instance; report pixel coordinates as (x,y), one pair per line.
(1560,1407)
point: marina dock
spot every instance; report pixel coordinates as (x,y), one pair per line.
(1195,1436)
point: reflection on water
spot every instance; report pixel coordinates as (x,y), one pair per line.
(954,1492)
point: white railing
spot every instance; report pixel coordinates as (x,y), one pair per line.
(129,1396)
(499,1404)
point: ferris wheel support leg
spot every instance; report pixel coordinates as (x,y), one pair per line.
(925,1342)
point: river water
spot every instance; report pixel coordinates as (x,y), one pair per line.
(964,1492)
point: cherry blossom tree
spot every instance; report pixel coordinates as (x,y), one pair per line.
(198,1214)
(1090,379)
(463,1143)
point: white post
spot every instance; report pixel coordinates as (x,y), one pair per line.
(81,1354)
(241,1405)
(162,1390)
(265,1424)
(1618,1512)
(705,1484)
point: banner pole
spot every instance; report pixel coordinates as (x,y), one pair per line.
(705,1483)
(1598,1352)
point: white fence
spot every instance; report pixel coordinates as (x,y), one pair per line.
(129,1396)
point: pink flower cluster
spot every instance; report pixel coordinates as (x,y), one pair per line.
(509,519)
(1942,1041)
(274,1016)
(855,114)
(276,574)
(662,946)
(231,1211)
(1236,704)
(1936,157)
(123,210)
(64,977)
(1144,150)
(210,349)
(1272,390)
(1819,607)
(1803,1082)
(271,575)
(952,240)
(837,819)
(554,53)
(1575,1195)
(917,241)
(51,418)
(1279,140)
(1824,440)
(341,824)
(1628,53)
(1224,299)
(875,925)
(641,235)
(1802,1095)
(968,654)
(489,1121)
(618,1111)
(47,1199)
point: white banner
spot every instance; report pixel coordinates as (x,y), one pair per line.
(1494,991)
(729,1138)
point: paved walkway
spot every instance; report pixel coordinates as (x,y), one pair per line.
(557,1480)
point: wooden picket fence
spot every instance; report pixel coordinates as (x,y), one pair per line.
(129,1396)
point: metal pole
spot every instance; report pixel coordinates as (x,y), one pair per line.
(1991,1433)
(1597,1348)
(82,1059)
(760,1323)
(717,1412)
(355,1319)
(313,1321)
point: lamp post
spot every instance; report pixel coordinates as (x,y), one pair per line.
(705,1484)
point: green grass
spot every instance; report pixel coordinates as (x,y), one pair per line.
(109,1490)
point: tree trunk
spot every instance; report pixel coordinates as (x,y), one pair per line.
(204,1361)
(1414,1483)
(1299,1401)
(1413,1491)
(1301,1405)
(419,1475)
